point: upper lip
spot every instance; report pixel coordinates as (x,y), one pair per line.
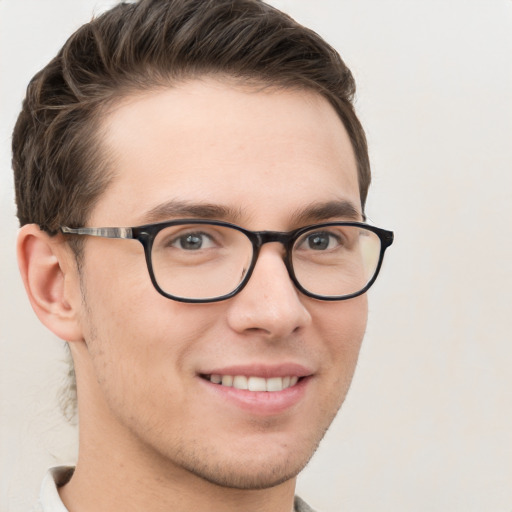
(262,370)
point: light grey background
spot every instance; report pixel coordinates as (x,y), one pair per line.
(427,425)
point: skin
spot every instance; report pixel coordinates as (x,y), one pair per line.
(148,422)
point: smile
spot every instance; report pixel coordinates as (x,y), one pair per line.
(253,383)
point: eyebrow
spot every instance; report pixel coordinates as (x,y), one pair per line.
(315,212)
(172,209)
(319,212)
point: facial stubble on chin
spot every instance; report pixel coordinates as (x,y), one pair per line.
(230,473)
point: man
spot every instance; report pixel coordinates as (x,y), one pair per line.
(190,181)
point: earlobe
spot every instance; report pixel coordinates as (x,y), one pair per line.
(51,281)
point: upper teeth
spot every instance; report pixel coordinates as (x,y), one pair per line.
(254,383)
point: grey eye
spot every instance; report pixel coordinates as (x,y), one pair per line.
(193,241)
(320,241)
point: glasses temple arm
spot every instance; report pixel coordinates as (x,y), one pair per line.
(101,232)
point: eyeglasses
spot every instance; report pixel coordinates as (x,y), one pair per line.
(209,261)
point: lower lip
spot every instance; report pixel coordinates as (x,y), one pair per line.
(262,403)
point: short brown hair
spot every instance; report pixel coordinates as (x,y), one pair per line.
(59,167)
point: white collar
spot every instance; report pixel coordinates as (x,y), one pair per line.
(49,499)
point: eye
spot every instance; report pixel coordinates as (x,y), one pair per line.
(193,241)
(320,241)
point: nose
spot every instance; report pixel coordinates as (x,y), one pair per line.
(269,304)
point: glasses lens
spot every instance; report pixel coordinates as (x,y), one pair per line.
(333,261)
(200,261)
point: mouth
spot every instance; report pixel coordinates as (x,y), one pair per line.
(259,389)
(253,383)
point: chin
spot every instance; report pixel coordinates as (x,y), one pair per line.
(254,477)
(258,466)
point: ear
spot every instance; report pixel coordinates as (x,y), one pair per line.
(50,275)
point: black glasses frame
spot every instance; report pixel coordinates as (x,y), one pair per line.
(146,235)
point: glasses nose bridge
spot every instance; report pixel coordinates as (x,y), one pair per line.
(266,237)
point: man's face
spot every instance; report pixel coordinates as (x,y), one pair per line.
(262,158)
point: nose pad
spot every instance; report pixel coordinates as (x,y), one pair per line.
(270,303)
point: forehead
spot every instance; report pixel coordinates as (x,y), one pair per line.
(212,142)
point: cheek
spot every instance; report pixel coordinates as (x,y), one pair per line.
(118,289)
(120,305)
(348,320)
(343,325)
(133,332)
